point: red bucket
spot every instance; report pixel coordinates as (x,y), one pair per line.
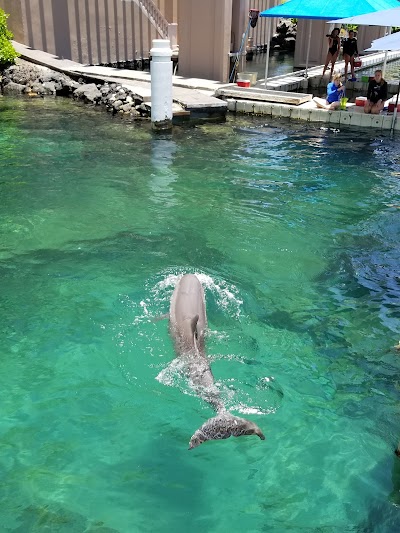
(360,101)
(243,83)
(391,107)
(357,63)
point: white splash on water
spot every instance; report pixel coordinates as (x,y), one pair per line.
(144,307)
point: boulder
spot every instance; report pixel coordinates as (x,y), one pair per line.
(105,89)
(89,92)
(37,87)
(13,88)
(50,87)
(23,73)
(117,104)
(67,86)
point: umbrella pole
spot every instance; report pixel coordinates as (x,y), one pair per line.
(308,48)
(384,64)
(395,108)
(268,48)
(386,54)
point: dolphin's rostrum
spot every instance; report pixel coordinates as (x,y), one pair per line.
(188,322)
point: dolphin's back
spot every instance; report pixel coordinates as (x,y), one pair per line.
(188,321)
(188,312)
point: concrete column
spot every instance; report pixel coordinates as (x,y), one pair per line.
(318,43)
(161,85)
(240,20)
(204,38)
(171,10)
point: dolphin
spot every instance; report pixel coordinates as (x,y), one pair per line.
(188,322)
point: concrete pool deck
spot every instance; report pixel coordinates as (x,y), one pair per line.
(193,95)
(199,96)
(309,112)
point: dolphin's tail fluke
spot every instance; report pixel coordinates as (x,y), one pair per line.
(223,426)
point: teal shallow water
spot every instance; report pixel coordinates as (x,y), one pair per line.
(292,230)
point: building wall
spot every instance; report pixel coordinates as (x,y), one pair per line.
(169,8)
(14,22)
(87,31)
(204,38)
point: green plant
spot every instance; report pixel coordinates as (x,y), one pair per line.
(7,53)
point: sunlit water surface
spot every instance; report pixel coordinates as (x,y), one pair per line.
(293,230)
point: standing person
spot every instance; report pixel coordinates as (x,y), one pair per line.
(350,50)
(376,94)
(335,91)
(333,50)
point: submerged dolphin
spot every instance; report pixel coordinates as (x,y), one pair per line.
(188,322)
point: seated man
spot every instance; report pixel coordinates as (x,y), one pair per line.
(334,94)
(376,94)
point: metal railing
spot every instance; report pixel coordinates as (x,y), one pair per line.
(155,16)
(154,13)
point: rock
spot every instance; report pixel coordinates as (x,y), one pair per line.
(68,86)
(49,87)
(126,108)
(37,87)
(290,43)
(23,73)
(13,88)
(89,92)
(129,99)
(117,104)
(285,32)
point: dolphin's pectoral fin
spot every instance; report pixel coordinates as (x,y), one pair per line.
(223,426)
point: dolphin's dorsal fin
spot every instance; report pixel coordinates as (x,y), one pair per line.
(193,325)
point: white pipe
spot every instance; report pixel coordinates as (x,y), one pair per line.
(308,47)
(386,55)
(268,47)
(161,85)
(395,109)
(384,64)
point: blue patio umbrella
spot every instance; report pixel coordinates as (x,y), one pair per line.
(325,10)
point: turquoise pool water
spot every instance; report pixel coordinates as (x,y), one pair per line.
(293,230)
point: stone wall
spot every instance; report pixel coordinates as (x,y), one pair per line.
(29,80)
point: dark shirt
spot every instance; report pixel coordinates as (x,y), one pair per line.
(350,46)
(377,91)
